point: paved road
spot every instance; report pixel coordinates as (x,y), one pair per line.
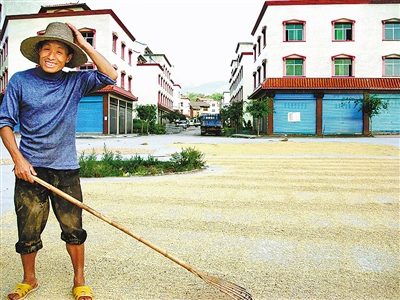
(158,143)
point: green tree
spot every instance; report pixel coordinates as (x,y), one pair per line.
(371,105)
(232,115)
(216,96)
(147,114)
(259,109)
(172,116)
(193,96)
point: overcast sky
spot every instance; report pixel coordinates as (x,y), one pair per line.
(199,37)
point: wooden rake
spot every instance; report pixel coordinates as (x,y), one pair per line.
(229,288)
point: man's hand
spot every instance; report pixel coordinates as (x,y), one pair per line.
(99,60)
(79,39)
(24,170)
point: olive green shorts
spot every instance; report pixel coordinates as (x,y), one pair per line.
(32,208)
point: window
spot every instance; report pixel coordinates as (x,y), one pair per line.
(264,67)
(391,65)
(343,65)
(391,30)
(123,46)
(130,51)
(88,34)
(264,35)
(294,30)
(294,65)
(114,42)
(86,68)
(130,83)
(123,73)
(343,30)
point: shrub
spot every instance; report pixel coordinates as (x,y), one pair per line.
(114,165)
(188,159)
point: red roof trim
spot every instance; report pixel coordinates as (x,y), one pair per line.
(45,8)
(113,89)
(297,83)
(314,2)
(68,14)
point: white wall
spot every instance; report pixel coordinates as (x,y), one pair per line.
(368,47)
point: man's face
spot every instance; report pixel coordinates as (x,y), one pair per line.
(53,56)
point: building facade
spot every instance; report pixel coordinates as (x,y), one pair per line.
(141,74)
(156,85)
(315,58)
(241,84)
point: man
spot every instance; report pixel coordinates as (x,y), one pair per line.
(45,102)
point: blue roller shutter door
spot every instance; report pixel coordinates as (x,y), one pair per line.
(339,116)
(302,107)
(90,115)
(388,120)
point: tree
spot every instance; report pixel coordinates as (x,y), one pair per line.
(232,115)
(193,96)
(259,109)
(172,116)
(147,114)
(371,105)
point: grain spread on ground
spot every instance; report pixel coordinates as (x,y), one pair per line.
(284,220)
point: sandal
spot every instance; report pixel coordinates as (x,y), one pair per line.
(83,291)
(22,290)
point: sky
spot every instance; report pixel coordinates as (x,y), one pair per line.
(198,37)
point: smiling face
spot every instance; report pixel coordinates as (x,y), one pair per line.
(53,56)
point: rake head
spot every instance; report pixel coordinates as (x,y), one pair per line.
(231,289)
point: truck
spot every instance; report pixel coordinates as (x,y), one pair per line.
(211,123)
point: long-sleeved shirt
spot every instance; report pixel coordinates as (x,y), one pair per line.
(46,106)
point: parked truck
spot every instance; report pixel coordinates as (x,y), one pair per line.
(210,123)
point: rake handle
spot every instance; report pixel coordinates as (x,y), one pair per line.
(112,223)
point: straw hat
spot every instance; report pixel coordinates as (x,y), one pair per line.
(55,31)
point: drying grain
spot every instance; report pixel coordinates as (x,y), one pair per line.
(284,220)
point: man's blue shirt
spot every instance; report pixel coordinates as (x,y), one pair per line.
(46,105)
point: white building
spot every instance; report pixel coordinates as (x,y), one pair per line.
(226,99)
(184,107)
(143,77)
(155,85)
(241,83)
(311,55)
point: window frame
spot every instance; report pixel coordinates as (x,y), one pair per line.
(343,57)
(394,57)
(87,67)
(394,21)
(123,75)
(130,52)
(114,42)
(352,30)
(294,22)
(294,57)
(84,31)
(123,47)
(264,36)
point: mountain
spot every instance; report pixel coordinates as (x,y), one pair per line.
(207,88)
